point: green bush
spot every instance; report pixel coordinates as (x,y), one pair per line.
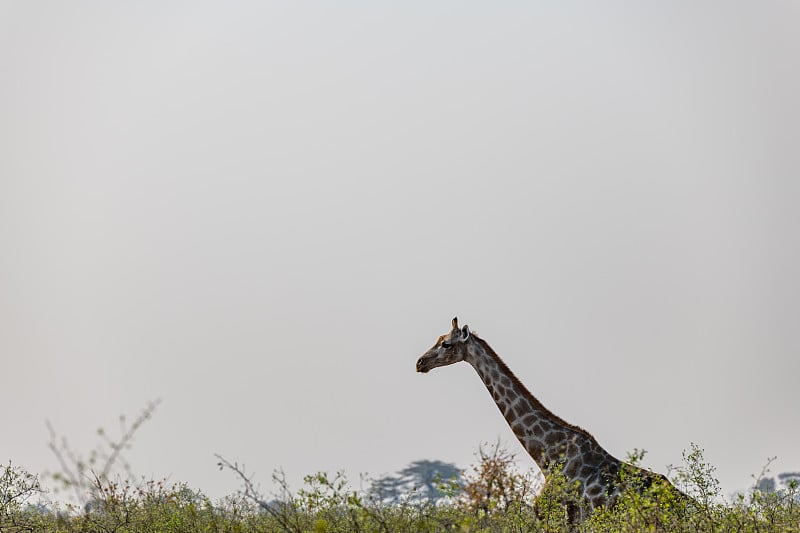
(492,496)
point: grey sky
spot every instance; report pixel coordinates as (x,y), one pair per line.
(263,213)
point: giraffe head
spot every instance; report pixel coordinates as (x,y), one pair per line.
(449,348)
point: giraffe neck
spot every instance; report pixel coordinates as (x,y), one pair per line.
(546,437)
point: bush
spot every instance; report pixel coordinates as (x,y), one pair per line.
(494,484)
(492,496)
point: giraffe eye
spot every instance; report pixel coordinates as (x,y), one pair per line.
(446,345)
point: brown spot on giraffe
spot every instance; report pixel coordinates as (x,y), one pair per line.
(587,471)
(571,470)
(552,438)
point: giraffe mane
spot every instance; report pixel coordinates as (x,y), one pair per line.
(534,401)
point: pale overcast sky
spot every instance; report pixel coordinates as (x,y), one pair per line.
(264,212)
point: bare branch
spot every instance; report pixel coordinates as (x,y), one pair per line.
(251,493)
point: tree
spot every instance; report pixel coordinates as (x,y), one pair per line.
(420,480)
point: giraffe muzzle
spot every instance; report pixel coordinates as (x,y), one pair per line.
(421,365)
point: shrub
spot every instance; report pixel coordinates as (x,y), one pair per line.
(492,496)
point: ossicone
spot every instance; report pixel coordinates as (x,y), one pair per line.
(455,323)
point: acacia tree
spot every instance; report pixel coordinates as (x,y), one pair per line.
(421,480)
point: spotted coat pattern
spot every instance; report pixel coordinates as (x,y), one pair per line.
(548,439)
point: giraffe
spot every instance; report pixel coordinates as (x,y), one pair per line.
(549,440)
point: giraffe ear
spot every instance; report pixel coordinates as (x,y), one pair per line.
(455,323)
(465,333)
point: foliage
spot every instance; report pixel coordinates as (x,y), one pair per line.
(17,487)
(492,496)
(328,503)
(650,503)
(495,484)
